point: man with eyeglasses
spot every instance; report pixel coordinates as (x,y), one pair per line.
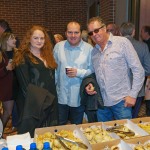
(113,57)
(73,57)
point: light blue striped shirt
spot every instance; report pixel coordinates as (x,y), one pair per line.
(77,57)
(112,68)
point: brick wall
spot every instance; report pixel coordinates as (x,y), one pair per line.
(107,10)
(60,12)
(53,14)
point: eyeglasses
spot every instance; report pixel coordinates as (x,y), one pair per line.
(95,31)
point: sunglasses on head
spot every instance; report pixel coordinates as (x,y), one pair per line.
(95,31)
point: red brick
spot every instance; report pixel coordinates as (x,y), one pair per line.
(54,15)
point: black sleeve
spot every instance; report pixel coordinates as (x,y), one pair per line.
(22,73)
(89,79)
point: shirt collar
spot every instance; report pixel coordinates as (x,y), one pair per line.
(80,46)
(110,39)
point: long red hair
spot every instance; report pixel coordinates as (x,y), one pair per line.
(46,50)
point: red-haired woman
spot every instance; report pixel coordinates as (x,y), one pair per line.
(35,69)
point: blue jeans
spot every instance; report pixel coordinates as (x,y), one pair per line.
(74,114)
(116,112)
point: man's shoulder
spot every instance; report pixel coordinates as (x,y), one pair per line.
(86,45)
(139,44)
(121,38)
(59,45)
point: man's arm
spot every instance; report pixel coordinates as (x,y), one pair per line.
(137,71)
(81,73)
(146,59)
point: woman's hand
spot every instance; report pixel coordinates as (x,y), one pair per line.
(9,66)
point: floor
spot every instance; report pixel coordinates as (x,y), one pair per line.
(9,130)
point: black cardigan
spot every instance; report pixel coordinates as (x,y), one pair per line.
(91,102)
(39,107)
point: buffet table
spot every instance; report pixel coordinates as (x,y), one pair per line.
(114,135)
